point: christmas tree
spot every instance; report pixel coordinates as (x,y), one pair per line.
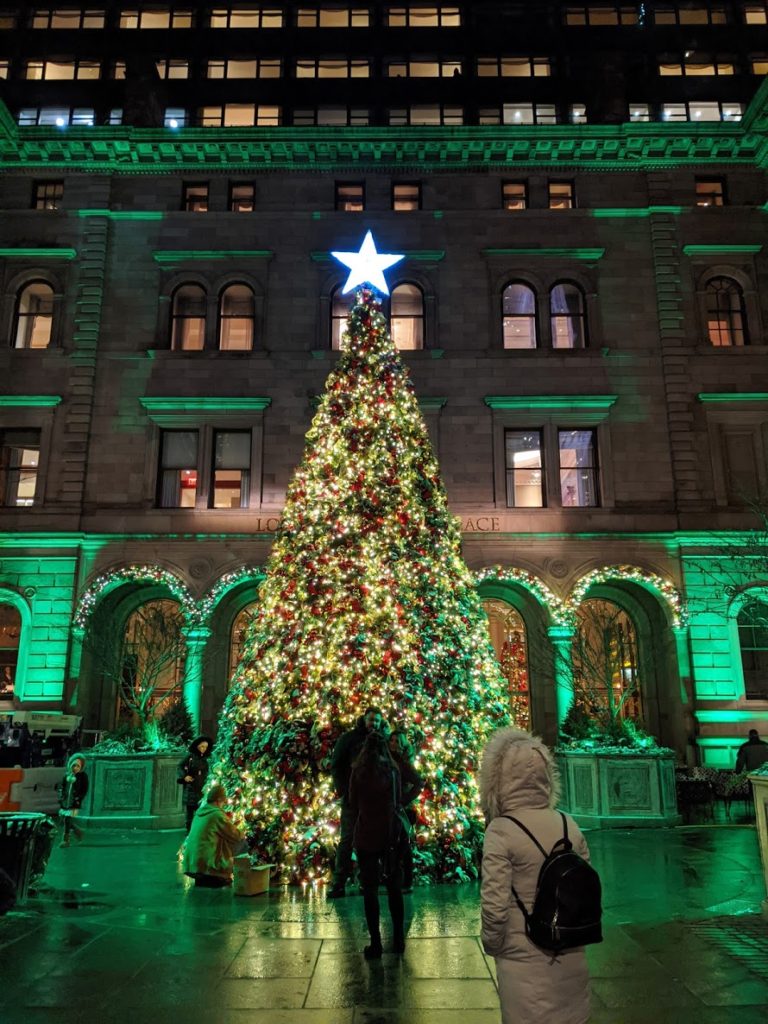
(366,601)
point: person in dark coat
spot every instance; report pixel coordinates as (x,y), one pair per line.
(412,784)
(752,754)
(193,771)
(374,796)
(347,748)
(72,791)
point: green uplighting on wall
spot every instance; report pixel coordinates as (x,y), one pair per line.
(594,402)
(123,214)
(190,404)
(24,252)
(165,256)
(733,396)
(625,212)
(728,250)
(29,401)
(722,717)
(417,255)
(556,252)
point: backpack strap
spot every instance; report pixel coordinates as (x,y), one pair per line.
(530,834)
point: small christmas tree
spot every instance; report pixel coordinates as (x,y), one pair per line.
(366,601)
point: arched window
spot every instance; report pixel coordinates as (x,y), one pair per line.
(726,315)
(605,666)
(237,639)
(340,308)
(151,661)
(519,316)
(407,317)
(510,642)
(188,318)
(237,314)
(34,316)
(753,643)
(10,635)
(567,316)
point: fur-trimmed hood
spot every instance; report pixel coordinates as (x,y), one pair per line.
(75,757)
(517,771)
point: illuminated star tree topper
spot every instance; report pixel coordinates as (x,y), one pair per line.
(367,266)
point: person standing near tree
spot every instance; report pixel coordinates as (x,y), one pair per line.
(193,771)
(412,784)
(72,792)
(347,748)
(752,754)
(375,795)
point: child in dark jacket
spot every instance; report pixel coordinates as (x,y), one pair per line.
(72,791)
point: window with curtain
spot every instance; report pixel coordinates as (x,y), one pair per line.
(237,314)
(188,318)
(519,316)
(231,469)
(340,309)
(524,464)
(578,468)
(726,315)
(34,316)
(19,464)
(177,484)
(567,316)
(753,644)
(407,317)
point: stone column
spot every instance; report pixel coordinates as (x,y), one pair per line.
(689,723)
(561,638)
(196,637)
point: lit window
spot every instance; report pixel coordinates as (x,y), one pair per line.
(525,468)
(578,113)
(67,19)
(239,115)
(333,17)
(5,66)
(690,14)
(231,469)
(175,117)
(562,195)
(341,306)
(194,197)
(253,17)
(696,64)
(58,116)
(423,17)
(578,468)
(606,14)
(244,68)
(753,643)
(407,317)
(156,17)
(188,318)
(519,316)
(726,315)
(173,69)
(10,635)
(426,114)
(406,196)
(758,63)
(509,638)
(756,14)
(339,67)
(567,316)
(423,68)
(514,195)
(513,67)
(639,112)
(519,113)
(237,314)
(702,111)
(350,196)
(177,483)
(19,462)
(34,316)
(710,192)
(60,71)
(242,198)
(7,19)
(329,117)
(47,195)
(240,628)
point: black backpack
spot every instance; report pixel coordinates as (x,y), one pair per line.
(566,909)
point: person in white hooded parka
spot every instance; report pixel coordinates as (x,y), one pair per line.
(518,777)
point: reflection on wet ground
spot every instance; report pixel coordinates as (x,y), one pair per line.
(116,934)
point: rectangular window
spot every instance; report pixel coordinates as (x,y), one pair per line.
(177,481)
(350,196)
(47,195)
(336,67)
(562,195)
(266,68)
(756,14)
(690,14)
(578,113)
(514,195)
(519,113)
(702,111)
(194,197)
(423,17)
(239,115)
(758,63)
(710,191)
(67,19)
(252,17)
(513,67)
(606,14)
(156,17)
(175,117)
(58,116)
(331,116)
(426,114)
(242,197)
(173,69)
(231,469)
(578,468)
(19,461)
(424,68)
(5,67)
(62,70)
(525,468)
(333,17)
(406,196)
(696,64)
(639,112)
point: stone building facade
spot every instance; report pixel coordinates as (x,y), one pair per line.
(590,361)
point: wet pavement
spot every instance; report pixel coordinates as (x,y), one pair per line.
(117,934)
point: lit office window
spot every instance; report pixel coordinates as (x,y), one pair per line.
(47,195)
(266,68)
(252,17)
(62,71)
(710,192)
(156,18)
(330,117)
(239,115)
(519,113)
(726,313)
(423,68)
(524,468)
(177,477)
(336,67)
(578,468)
(19,463)
(333,17)
(33,321)
(66,19)
(406,196)
(426,114)
(237,315)
(423,17)
(562,195)
(513,67)
(242,197)
(170,69)
(406,314)
(350,196)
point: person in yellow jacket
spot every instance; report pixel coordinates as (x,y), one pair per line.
(212,842)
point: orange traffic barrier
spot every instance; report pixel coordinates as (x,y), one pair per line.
(9,776)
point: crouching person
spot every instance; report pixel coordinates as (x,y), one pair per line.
(212,843)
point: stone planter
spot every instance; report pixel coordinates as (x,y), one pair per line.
(760,796)
(133,791)
(603,790)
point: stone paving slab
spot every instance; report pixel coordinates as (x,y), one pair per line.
(119,936)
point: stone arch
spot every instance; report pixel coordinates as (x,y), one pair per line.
(125,576)
(10,596)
